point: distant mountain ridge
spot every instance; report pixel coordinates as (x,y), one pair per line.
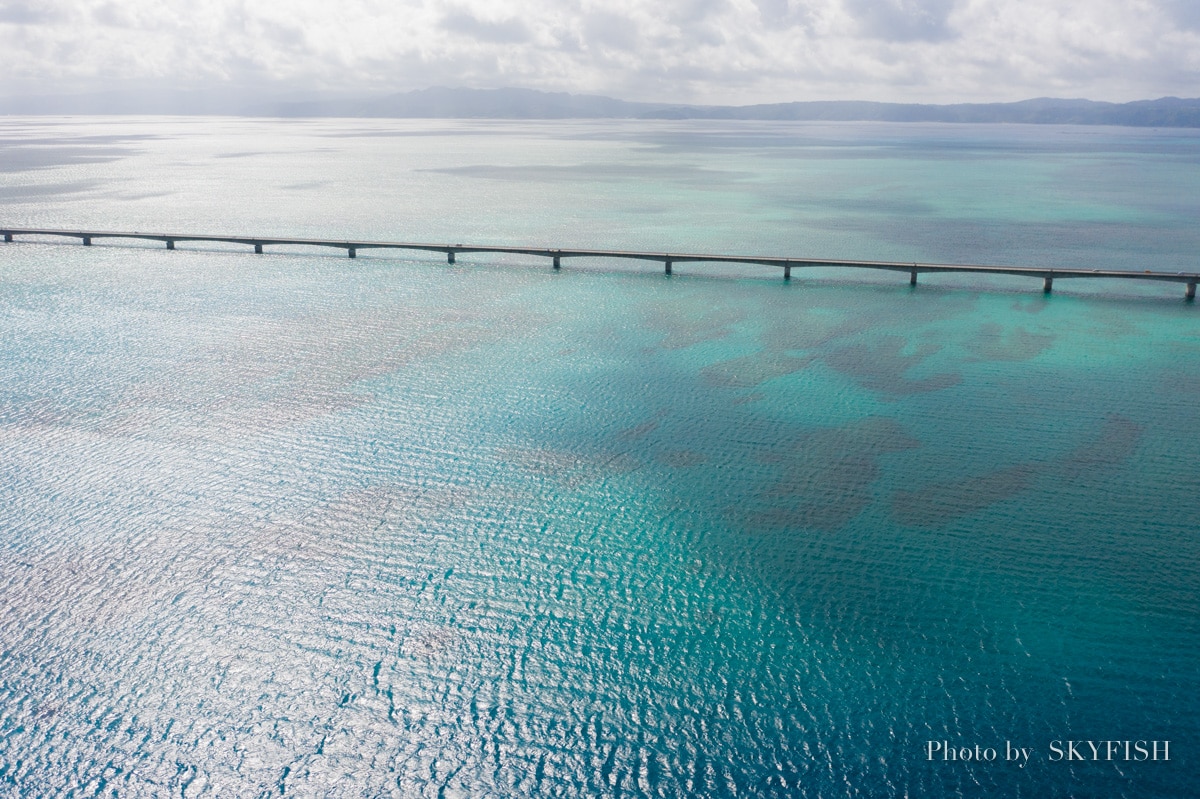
(530,104)
(508,103)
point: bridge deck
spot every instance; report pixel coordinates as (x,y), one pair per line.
(1048,274)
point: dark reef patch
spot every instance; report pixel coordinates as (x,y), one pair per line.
(824,477)
(882,367)
(681,330)
(1118,439)
(993,343)
(938,504)
(679,174)
(804,333)
(756,396)
(749,371)
(639,431)
(681,458)
(572,469)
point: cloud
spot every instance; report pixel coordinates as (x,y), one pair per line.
(602,30)
(775,13)
(464,23)
(681,50)
(23,12)
(903,20)
(1185,13)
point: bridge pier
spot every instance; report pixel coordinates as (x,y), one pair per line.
(667,267)
(258,249)
(1189,293)
(352,252)
(557,262)
(87,241)
(450,257)
(1047,284)
(787,272)
(170,244)
(8,237)
(912,278)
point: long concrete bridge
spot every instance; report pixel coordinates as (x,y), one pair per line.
(667,259)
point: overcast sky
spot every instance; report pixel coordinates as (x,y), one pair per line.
(705,51)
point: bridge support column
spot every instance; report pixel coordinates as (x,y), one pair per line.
(353,253)
(87,241)
(557,262)
(8,237)
(258,249)
(1047,285)
(787,272)
(1189,293)
(170,244)
(667,267)
(450,257)
(912,278)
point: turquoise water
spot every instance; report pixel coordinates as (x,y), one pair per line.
(294,524)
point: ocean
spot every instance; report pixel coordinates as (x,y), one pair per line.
(295,524)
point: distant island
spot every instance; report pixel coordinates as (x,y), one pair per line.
(508,103)
(529,104)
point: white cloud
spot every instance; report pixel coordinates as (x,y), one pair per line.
(695,50)
(904,20)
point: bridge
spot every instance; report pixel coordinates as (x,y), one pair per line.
(667,259)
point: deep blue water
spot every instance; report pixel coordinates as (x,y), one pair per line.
(294,524)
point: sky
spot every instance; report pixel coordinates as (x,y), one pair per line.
(694,51)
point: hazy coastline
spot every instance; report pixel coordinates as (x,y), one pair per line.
(510,103)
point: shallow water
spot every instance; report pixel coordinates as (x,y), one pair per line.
(297,524)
